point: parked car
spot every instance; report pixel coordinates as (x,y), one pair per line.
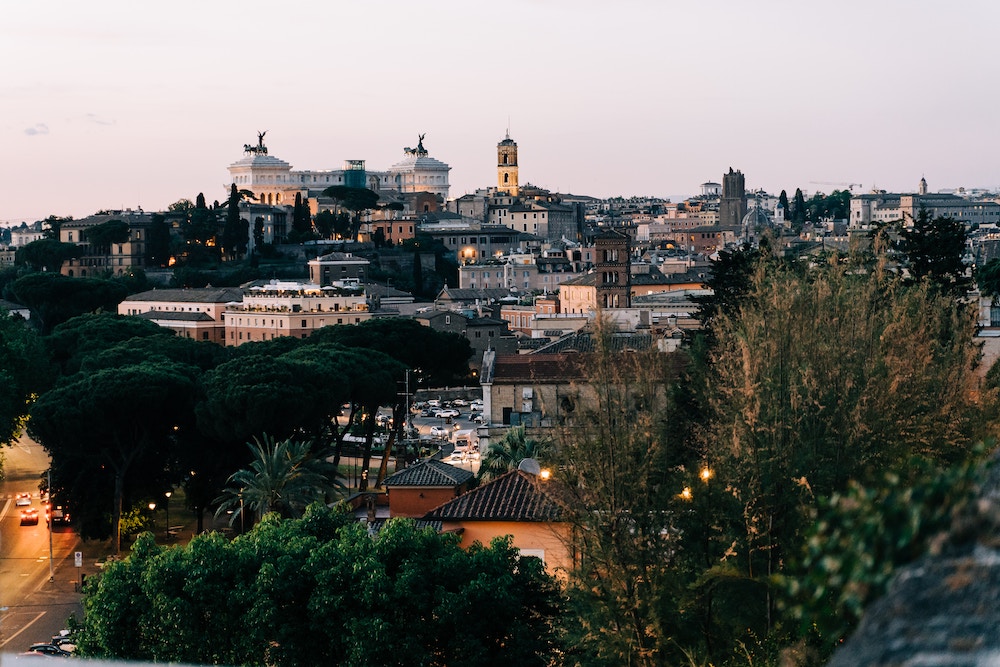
(23,499)
(460,402)
(439,432)
(434,403)
(456,458)
(481,418)
(49,649)
(445,413)
(476,406)
(29,516)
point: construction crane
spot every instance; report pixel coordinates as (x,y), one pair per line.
(849,186)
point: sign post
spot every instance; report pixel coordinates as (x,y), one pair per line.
(78,562)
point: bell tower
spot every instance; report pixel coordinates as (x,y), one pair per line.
(507,166)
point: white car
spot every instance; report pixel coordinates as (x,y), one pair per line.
(460,402)
(23,500)
(439,432)
(446,412)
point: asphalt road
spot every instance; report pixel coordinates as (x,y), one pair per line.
(33,607)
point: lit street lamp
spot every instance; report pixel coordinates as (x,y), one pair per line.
(166,508)
(152,516)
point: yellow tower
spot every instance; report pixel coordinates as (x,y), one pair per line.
(507,166)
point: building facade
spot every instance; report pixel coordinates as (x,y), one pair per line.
(195,313)
(274,182)
(117,258)
(285,308)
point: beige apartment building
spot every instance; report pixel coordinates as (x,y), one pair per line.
(191,313)
(285,308)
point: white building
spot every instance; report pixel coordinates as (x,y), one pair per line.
(274,182)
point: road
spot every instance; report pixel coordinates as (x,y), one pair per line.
(33,607)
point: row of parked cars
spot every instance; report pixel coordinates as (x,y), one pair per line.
(448,410)
(62,646)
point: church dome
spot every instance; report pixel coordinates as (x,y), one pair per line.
(756,217)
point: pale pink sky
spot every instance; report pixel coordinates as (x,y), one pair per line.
(117,103)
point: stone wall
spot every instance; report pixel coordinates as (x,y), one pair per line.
(945,608)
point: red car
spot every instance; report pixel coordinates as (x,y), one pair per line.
(29,516)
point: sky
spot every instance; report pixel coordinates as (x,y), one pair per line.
(112,104)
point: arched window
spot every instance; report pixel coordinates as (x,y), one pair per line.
(505,159)
(506,178)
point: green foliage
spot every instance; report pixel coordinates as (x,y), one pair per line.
(73,341)
(103,235)
(353,199)
(836,206)
(865,533)
(105,427)
(506,454)
(46,254)
(798,210)
(729,282)
(24,371)
(933,250)
(442,357)
(301,223)
(54,299)
(283,477)
(158,241)
(403,596)
(622,476)
(52,224)
(235,232)
(253,395)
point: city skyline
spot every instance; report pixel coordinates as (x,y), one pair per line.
(116,105)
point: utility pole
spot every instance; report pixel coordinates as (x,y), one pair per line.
(48,482)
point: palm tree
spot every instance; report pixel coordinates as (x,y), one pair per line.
(507,453)
(284,477)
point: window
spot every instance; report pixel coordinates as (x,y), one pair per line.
(303,324)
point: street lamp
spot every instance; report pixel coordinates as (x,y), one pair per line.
(166,508)
(152,516)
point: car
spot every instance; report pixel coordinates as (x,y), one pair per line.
(59,515)
(434,403)
(446,413)
(49,649)
(439,432)
(460,402)
(456,458)
(475,406)
(23,499)
(481,418)
(29,516)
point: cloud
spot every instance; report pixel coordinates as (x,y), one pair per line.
(37,128)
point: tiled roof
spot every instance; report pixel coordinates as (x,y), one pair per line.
(583,341)
(516,496)
(429,473)
(176,316)
(467,294)
(192,295)
(521,367)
